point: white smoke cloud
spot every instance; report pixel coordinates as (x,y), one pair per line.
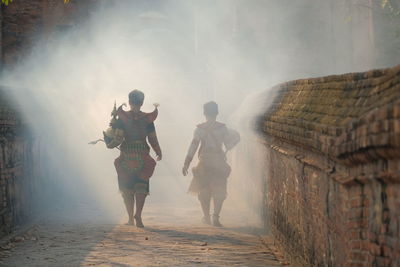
(181,54)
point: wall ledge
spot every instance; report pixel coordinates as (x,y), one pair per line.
(353,118)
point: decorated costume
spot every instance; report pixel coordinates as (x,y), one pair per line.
(134,165)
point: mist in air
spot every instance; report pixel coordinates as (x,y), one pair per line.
(181,54)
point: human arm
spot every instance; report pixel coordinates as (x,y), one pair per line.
(191,152)
(153,140)
(231,139)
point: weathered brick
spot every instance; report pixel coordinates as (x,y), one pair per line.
(359,256)
(374,248)
(365,212)
(387,251)
(354,191)
(355,213)
(396,111)
(18,179)
(356,245)
(357,206)
(382,262)
(354,235)
(382,239)
(356,202)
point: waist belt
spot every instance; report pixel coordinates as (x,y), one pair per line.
(134,146)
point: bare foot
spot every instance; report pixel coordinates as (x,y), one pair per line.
(206,220)
(216,222)
(130,222)
(139,222)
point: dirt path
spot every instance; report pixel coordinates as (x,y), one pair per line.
(61,243)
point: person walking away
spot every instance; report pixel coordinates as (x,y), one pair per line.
(210,175)
(135,166)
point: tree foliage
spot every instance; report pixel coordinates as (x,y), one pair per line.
(6,2)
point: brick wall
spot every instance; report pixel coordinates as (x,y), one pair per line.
(19,167)
(334,169)
(22,183)
(24,23)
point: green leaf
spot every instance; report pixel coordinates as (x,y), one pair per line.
(6,2)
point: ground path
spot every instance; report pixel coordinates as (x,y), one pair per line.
(161,243)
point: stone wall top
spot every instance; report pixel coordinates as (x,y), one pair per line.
(353,118)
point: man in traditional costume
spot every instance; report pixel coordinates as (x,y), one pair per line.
(134,165)
(210,175)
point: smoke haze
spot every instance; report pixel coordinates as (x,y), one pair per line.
(180,54)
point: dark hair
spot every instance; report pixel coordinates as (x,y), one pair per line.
(210,109)
(136,97)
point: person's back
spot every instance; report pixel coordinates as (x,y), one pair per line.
(211,173)
(138,125)
(137,128)
(135,166)
(212,135)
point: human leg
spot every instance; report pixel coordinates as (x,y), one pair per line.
(205,198)
(140,199)
(219,188)
(217,210)
(129,205)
